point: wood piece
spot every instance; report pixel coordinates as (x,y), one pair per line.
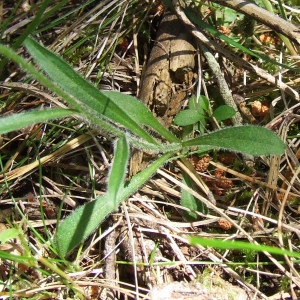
(265,17)
(211,44)
(169,75)
(168,79)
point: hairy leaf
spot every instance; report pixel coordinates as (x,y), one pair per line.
(89,99)
(21,120)
(118,169)
(8,234)
(191,202)
(140,113)
(83,221)
(253,140)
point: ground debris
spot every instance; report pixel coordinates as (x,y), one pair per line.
(193,291)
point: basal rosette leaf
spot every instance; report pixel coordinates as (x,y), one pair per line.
(253,140)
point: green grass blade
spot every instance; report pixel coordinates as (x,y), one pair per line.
(118,169)
(253,140)
(21,120)
(53,11)
(8,20)
(88,96)
(32,25)
(213,31)
(282,10)
(28,30)
(26,260)
(239,245)
(83,221)
(56,15)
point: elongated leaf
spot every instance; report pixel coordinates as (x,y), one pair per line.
(21,120)
(140,113)
(253,140)
(89,115)
(190,202)
(83,221)
(118,169)
(92,101)
(26,260)
(239,245)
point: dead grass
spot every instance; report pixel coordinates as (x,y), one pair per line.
(52,168)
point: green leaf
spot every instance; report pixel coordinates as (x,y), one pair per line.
(84,220)
(193,103)
(140,113)
(81,223)
(118,169)
(90,101)
(8,234)
(187,117)
(34,23)
(213,31)
(190,202)
(239,245)
(201,104)
(223,112)
(89,116)
(26,260)
(253,140)
(18,121)
(204,103)
(229,15)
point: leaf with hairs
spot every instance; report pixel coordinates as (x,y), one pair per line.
(84,220)
(21,120)
(253,140)
(88,98)
(118,169)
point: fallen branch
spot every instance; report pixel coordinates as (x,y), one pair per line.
(265,17)
(231,56)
